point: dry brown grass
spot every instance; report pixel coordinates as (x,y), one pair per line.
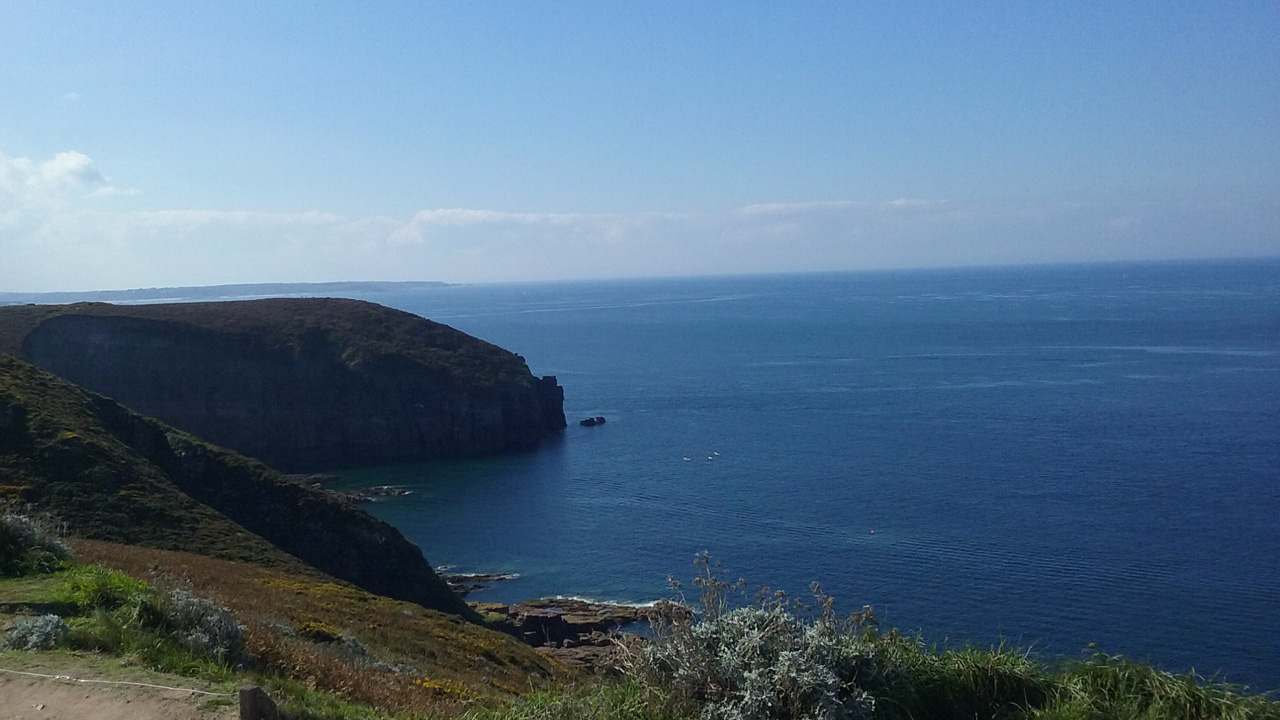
(446,664)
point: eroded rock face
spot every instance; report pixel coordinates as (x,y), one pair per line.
(302,383)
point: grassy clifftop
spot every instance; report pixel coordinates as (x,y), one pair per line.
(367,333)
(111,474)
(301,384)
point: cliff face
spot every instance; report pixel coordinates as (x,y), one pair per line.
(299,383)
(111,474)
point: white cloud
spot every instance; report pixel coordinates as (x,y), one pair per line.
(798,207)
(59,231)
(27,183)
(916,204)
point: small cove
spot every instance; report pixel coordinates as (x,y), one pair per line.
(1053,456)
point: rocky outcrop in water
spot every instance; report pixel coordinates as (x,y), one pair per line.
(301,384)
(579,632)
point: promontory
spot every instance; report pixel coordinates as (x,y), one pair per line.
(299,383)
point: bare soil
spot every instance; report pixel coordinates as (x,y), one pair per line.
(24,697)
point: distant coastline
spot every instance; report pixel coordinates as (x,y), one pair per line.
(239,291)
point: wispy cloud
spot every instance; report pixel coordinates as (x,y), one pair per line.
(799,207)
(61,227)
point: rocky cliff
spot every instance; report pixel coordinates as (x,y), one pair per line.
(111,474)
(301,384)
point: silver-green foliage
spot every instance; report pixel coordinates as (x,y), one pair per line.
(39,633)
(29,545)
(205,627)
(759,662)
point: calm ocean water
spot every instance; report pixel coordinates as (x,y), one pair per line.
(1055,456)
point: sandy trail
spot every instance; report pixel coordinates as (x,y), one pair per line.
(30,698)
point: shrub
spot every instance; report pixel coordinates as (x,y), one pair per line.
(94,587)
(41,633)
(320,631)
(128,616)
(29,546)
(203,626)
(758,662)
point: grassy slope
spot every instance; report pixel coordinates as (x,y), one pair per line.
(112,475)
(369,334)
(58,455)
(444,661)
(410,660)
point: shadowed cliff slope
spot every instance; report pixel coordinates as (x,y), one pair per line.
(111,474)
(300,383)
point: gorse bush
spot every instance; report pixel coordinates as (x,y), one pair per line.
(29,546)
(40,633)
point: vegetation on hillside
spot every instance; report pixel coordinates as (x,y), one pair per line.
(303,384)
(367,333)
(325,650)
(29,545)
(239,609)
(774,659)
(329,651)
(60,451)
(110,474)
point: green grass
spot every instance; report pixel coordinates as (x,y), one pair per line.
(773,660)
(30,589)
(1113,687)
(113,475)
(912,679)
(366,333)
(94,587)
(297,701)
(116,633)
(602,700)
(83,458)
(917,681)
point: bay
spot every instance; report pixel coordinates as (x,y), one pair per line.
(1052,456)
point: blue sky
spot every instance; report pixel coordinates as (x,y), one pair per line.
(155,144)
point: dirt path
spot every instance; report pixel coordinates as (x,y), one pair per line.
(24,697)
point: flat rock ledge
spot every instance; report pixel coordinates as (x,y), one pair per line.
(578,632)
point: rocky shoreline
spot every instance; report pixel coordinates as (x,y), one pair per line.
(579,632)
(363,495)
(464,584)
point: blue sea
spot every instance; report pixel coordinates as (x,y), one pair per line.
(1051,456)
